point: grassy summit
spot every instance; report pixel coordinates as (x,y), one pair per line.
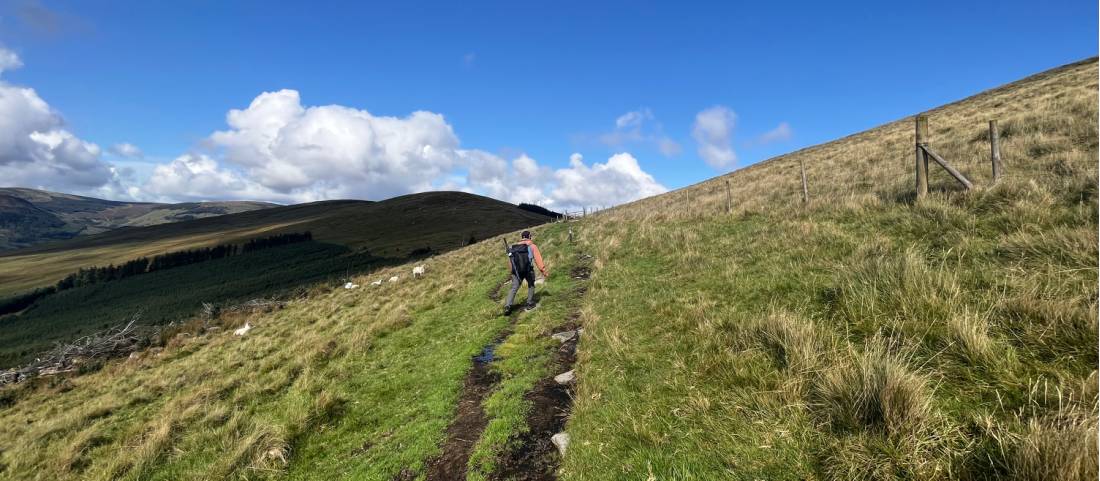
(861,336)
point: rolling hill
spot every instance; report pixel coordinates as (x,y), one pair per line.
(348,238)
(391,228)
(30,217)
(864,334)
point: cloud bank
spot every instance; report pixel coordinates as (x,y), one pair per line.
(278,149)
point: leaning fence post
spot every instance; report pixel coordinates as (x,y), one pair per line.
(995,150)
(921,157)
(805,188)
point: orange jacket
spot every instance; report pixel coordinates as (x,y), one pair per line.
(538,256)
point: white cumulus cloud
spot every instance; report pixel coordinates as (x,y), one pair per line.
(278,149)
(713,132)
(197,177)
(37,151)
(332,151)
(619,180)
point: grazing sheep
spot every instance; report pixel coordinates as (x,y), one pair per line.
(351,285)
(244,330)
(393,279)
(418,271)
(377,283)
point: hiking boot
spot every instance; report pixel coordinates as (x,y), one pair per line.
(508,311)
(530,307)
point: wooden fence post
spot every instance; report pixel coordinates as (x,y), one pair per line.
(921,157)
(729,198)
(928,152)
(805,188)
(995,151)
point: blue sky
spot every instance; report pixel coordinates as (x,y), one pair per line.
(545,79)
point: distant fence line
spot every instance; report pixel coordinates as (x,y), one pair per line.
(579,214)
(924,153)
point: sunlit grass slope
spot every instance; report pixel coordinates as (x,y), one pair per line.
(344,384)
(862,336)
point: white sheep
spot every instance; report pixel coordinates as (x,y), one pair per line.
(377,283)
(418,271)
(244,330)
(351,285)
(393,279)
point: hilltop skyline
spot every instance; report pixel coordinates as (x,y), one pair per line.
(564,105)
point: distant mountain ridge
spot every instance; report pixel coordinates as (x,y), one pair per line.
(30,217)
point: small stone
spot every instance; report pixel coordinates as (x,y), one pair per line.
(561,440)
(134,355)
(564,336)
(565,377)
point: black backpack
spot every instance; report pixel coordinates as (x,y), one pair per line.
(521,258)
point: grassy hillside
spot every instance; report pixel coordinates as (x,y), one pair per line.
(391,228)
(370,235)
(69,216)
(175,294)
(865,335)
(862,336)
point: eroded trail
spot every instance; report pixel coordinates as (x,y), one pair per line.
(534,456)
(470,418)
(530,454)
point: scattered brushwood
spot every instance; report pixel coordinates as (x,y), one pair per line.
(211,311)
(256,305)
(85,351)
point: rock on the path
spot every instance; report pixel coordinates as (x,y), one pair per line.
(564,335)
(565,377)
(561,440)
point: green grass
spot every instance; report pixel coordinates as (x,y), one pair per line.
(353,384)
(175,294)
(524,356)
(681,383)
(861,336)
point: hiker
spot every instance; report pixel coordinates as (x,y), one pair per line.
(523,258)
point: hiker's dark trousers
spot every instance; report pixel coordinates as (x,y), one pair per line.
(516,281)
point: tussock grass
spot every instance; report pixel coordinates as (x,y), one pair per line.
(1062,446)
(792,341)
(875,390)
(862,336)
(970,338)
